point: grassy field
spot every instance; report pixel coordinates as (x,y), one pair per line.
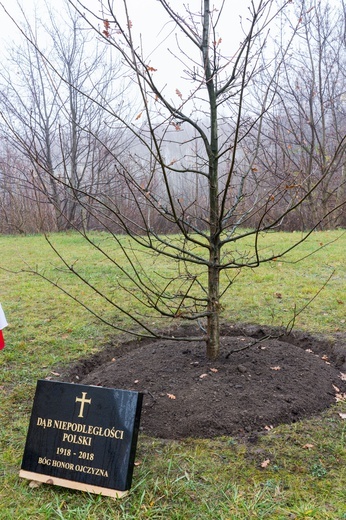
(194,479)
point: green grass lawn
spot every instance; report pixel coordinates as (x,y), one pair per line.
(193,479)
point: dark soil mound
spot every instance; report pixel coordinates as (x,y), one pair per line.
(257,382)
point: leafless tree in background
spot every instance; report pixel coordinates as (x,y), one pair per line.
(305,130)
(54,124)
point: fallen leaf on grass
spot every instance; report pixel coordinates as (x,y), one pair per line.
(137,463)
(265,463)
(342,415)
(275,368)
(171,396)
(339,396)
(308,446)
(34,484)
(55,374)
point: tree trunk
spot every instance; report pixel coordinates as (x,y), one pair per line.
(213,327)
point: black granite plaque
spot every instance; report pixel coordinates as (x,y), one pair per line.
(82,437)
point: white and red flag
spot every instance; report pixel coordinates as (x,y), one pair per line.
(3,324)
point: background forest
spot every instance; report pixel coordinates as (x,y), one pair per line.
(72,123)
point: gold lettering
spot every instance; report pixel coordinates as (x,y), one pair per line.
(61,425)
(93,471)
(90,429)
(72,438)
(44,460)
(45,423)
(62,464)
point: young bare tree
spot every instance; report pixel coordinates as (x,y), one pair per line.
(190,181)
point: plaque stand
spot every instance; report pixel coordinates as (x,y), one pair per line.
(71,484)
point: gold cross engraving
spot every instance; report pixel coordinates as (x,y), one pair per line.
(82,400)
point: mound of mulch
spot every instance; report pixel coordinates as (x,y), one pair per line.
(261,379)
